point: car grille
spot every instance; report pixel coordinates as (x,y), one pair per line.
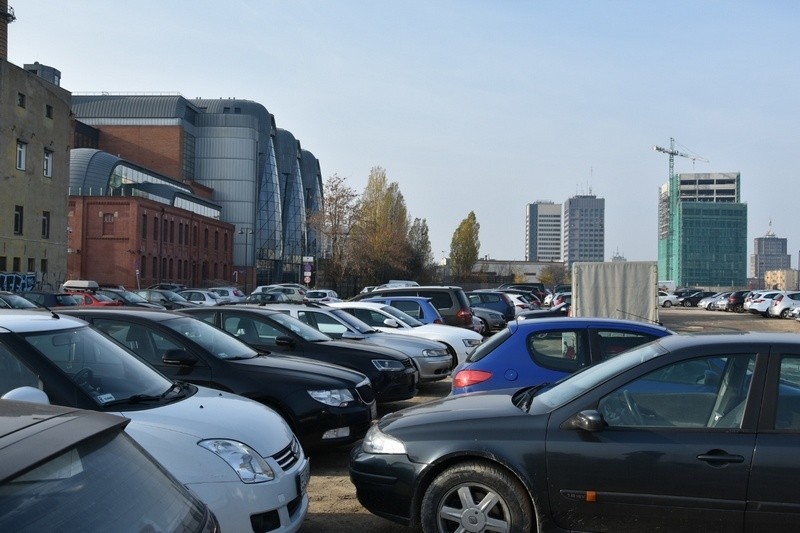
(365,392)
(289,456)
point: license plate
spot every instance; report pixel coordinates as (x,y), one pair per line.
(303,478)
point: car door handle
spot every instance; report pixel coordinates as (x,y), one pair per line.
(719,457)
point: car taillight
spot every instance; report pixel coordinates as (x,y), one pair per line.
(465,378)
(465,316)
(437,321)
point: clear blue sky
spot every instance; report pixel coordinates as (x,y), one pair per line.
(481,106)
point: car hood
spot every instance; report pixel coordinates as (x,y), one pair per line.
(452,409)
(314,373)
(368,348)
(213,414)
(405,343)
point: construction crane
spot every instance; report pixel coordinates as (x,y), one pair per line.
(672,152)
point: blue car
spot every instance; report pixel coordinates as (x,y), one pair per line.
(531,352)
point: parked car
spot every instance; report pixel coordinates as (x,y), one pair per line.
(532,352)
(391,373)
(324,404)
(709,303)
(321,296)
(734,302)
(783,303)
(492,320)
(266,298)
(94,299)
(535,288)
(760,304)
(294,294)
(495,300)
(128,298)
(561,298)
(165,298)
(202,297)
(167,287)
(432,359)
(696,455)
(236,455)
(230,295)
(692,299)
(459,341)
(12,300)
(667,300)
(51,299)
(450,301)
(417,307)
(64,468)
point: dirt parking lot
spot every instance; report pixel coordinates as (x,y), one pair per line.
(334,507)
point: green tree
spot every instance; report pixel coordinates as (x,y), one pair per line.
(421,260)
(553,275)
(465,247)
(333,224)
(380,233)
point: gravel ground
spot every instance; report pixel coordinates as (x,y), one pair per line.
(334,507)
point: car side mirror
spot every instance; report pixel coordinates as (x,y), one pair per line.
(588,420)
(27,394)
(284,340)
(178,356)
(348,335)
(391,323)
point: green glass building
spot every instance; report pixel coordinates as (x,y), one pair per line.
(702,239)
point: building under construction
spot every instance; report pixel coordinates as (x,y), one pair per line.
(702,231)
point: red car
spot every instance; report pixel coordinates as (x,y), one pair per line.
(90,298)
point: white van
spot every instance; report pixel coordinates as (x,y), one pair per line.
(236,455)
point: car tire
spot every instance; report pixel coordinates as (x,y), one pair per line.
(687,303)
(785,313)
(452,500)
(738,308)
(667,304)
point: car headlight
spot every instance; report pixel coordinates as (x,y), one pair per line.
(434,352)
(471,343)
(376,441)
(334,398)
(388,364)
(245,461)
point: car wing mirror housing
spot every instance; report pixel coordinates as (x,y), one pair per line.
(391,323)
(588,420)
(27,394)
(177,356)
(284,340)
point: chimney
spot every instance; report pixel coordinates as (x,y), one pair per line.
(6,16)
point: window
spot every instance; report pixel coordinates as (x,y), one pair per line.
(45,224)
(108,223)
(708,392)
(19,219)
(143,266)
(21,100)
(611,343)
(171,231)
(43,268)
(144,227)
(16,264)
(15,374)
(565,351)
(22,154)
(787,414)
(48,111)
(31,264)
(3,263)
(47,164)
(155,228)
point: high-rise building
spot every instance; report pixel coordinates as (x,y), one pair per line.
(702,230)
(769,253)
(584,229)
(543,232)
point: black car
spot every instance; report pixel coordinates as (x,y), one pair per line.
(735,301)
(165,298)
(62,469)
(691,300)
(324,404)
(128,298)
(12,300)
(560,310)
(391,372)
(687,433)
(51,299)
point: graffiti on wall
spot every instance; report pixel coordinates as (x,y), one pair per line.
(16,282)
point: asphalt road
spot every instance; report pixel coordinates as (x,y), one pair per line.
(334,507)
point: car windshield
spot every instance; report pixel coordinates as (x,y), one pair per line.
(589,377)
(316,294)
(132,297)
(304,330)
(98,365)
(353,322)
(14,301)
(214,340)
(408,319)
(174,296)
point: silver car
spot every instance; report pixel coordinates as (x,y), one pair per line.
(432,358)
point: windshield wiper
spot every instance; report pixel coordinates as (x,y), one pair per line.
(136,398)
(527,397)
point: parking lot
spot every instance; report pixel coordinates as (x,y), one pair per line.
(334,507)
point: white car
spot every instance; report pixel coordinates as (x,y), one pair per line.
(784,303)
(759,305)
(390,319)
(321,295)
(233,295)
(667,300)
(203,297)
(238,456)
(294,294)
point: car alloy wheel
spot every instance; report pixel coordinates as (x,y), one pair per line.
(667,303)
(473,497)
(687,303)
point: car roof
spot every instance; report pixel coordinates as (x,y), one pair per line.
(239,307)
(590,322)
(684,340)
(156,315)
(33,320)
(31,432)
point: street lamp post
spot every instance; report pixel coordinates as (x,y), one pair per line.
(246,254)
